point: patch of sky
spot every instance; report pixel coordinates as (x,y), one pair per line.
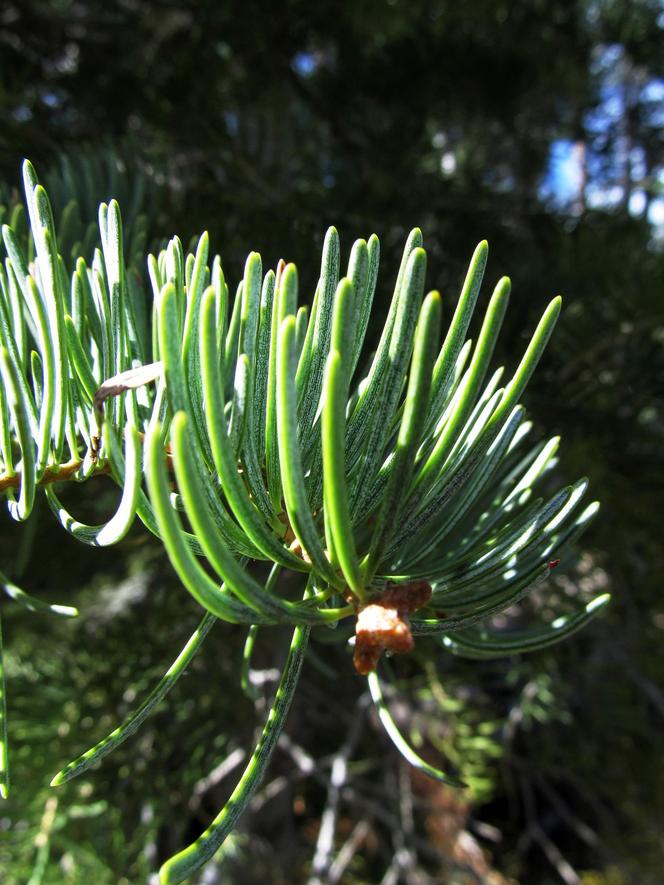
(22,113)
(231,121)
(50,99)
(652,96)
(564,175)
(304,64)
(596,165)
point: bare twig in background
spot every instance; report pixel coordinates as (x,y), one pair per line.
(304,761)
(348,850)
(215,776)
(269,792)
(535,833)
(404,860)
(582,830)
(564,869)
(338,777)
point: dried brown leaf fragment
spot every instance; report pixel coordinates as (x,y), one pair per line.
(382,625)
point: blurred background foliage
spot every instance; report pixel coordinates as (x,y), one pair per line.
(536,125)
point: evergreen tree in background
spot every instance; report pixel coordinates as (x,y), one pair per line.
(535,125)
